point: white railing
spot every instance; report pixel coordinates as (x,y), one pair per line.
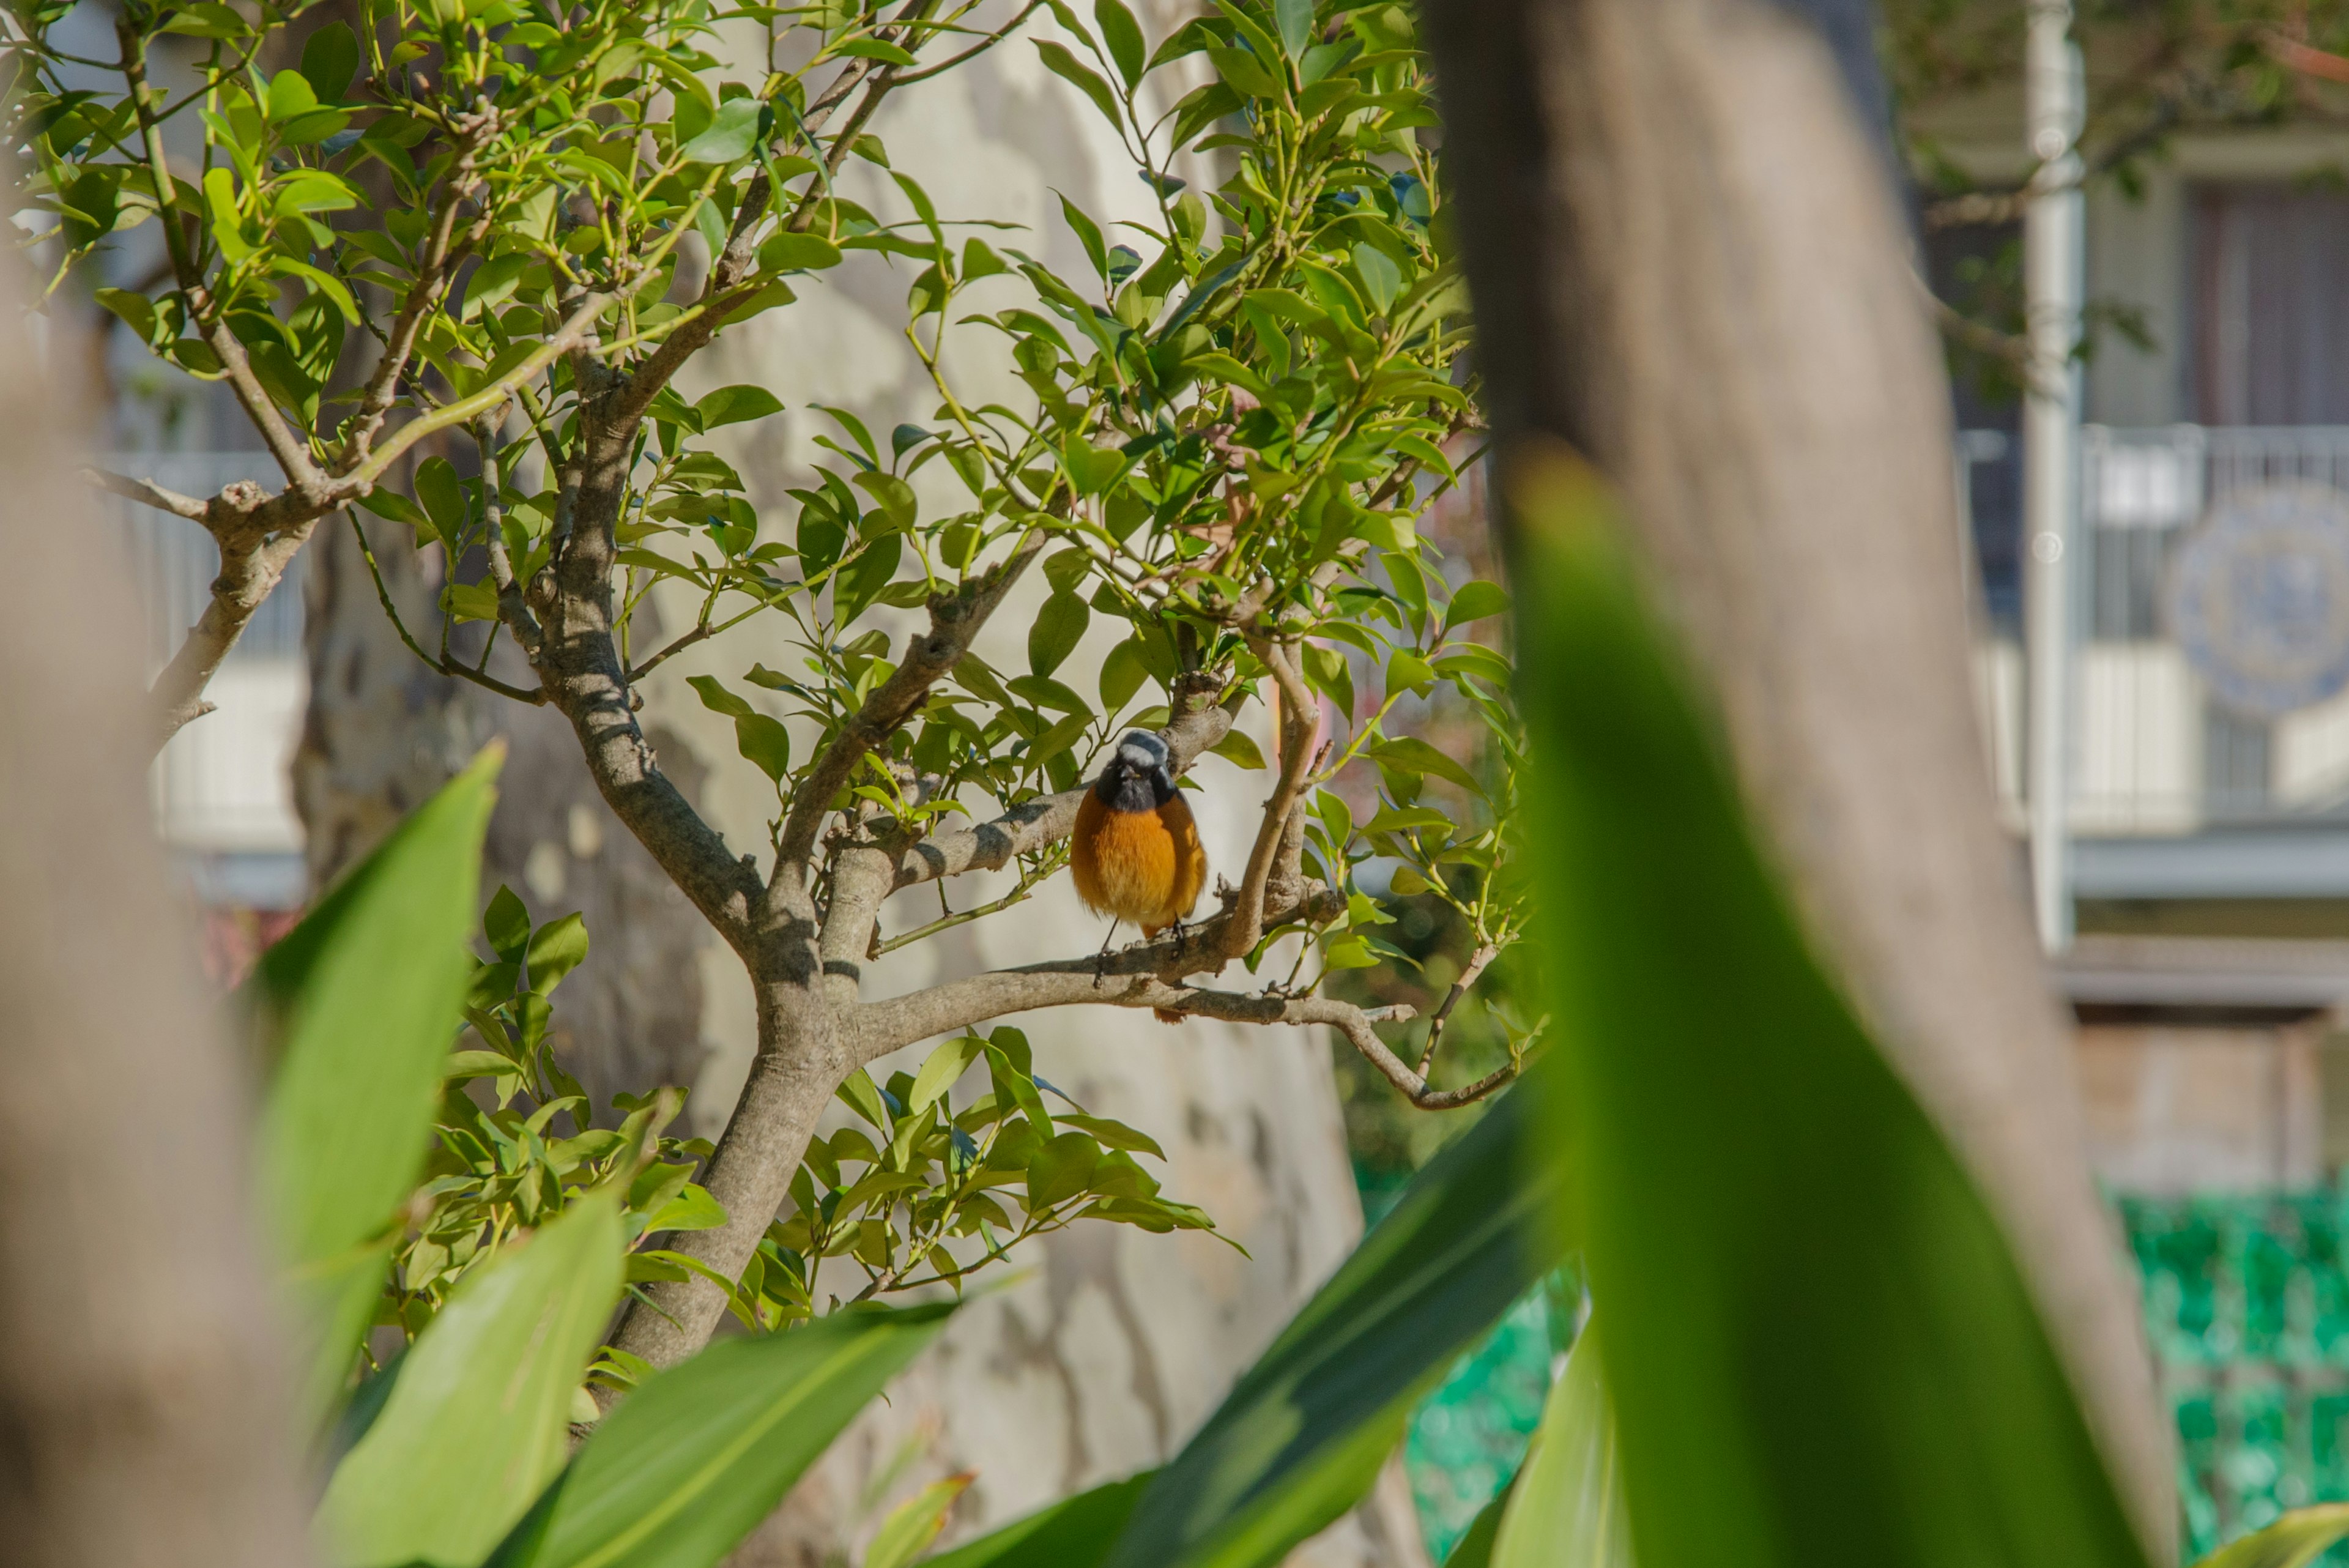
(2153,755)
(221,788)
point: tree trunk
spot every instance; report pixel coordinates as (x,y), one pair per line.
(1688,263)
(383,733)
(141,1417)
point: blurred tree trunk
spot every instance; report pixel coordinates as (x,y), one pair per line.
(1689,265)
(140,1418)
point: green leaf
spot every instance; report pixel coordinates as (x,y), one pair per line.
(1061,1169)
(1238,749)
(1088,232)
(913,1524)
(1068,67)
(479,1420)
(290,96)
(506,924)
(330,58)
(2298,1538)
(874,50)
(1474,601)
(444,495)
(1121,675)
(765,742)
(1410,754)
(1300,1438)
(692,1209)
(733,405)
(941,1069)
(731,134)
(1891,1396)
(1075,1532)
(718,700)
(787,252)
(1294,19)
(1059,626)
(1567,1503)
(360,1036)
(556,948)
(1243,71)
(691,1461)
(1123,36)
(136,310)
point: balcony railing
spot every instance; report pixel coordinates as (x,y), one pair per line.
(2154,753)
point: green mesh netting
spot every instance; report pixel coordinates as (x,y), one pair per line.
(2247,1304)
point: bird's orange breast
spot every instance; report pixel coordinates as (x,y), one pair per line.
(1146,867)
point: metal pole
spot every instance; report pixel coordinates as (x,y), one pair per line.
(2054,278)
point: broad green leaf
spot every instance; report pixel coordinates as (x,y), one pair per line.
(1060,1169)
(1300,1438)
(330,58)
(1058,626)
(1567,1503)
(1121,675)
(1075,1532)
(691,1461)
(1294,19)
(1089,81)
(788,252)
(732,405)
(915,1523)
(1123,36)
(1819,1348)
(359,1037)
(556,948)
(1412,755)
(1474,601)
(765,742)
(2298,1538)
(506,924)
(941,1069)
(1238,749)
(479,1421)
(731,134)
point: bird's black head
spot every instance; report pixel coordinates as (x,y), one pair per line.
(1137,777)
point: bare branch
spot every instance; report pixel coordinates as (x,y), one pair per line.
(1300,716)
(1121,979)
(147,492)
(431,277)
(953,622)
(1466,980)
(250,569)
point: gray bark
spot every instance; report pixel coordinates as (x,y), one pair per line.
(1688,263)
(383,732)
(141,1422)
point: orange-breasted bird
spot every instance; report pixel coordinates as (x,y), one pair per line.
(1136,854)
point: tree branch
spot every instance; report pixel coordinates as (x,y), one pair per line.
(1300,717)
(250,569)
(1123,979)
(954,621)
(147,492)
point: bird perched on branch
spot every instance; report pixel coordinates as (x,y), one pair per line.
(1135,853)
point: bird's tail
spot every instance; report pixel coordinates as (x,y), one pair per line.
(1166,1015)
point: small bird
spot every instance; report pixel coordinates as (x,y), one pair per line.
(1136,854)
